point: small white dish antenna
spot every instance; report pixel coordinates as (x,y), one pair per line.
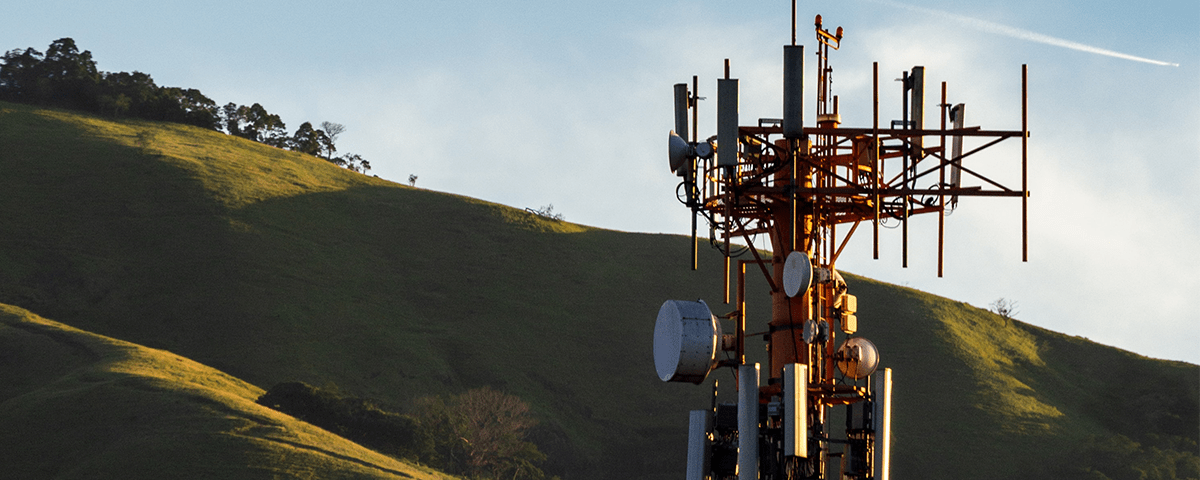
(810,331)
(815,331)
(858,358)
(797,273)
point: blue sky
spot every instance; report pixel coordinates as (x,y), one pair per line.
(530,103)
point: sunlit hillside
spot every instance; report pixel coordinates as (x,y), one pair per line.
(79,405)
(274,266)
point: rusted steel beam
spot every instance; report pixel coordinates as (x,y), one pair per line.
(885,132)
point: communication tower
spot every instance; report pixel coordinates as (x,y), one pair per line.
(801,186)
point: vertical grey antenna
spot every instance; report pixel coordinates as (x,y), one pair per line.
(956,116)
(727,122)
(793,91)
(696,177)
(905,123)
(681,110)
(793,22)
(917,81)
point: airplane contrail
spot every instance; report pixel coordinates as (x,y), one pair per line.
(1022,34)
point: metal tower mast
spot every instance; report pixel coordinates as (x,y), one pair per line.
(808,189)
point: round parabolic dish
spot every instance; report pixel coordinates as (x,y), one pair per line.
(858,358)
(685,341)
(797,273)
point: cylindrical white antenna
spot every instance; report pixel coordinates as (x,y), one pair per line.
(795,410)
(881,417)
(748,422)
(699,448)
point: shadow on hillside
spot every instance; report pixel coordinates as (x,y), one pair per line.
(415,292)
(107,237)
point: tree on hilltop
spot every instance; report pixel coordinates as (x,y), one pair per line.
(254,123)
(63,77)
(19,75)
(309,140)
(188,106)
(266,127)
(68,78)
(126,93)
(71,75)
(332,130)
(351,161)
(355,162)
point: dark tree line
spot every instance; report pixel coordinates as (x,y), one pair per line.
(65,77)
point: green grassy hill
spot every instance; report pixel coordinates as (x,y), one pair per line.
(273,266)
(977,396)
(79,405)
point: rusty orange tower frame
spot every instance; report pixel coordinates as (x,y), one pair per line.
(810,189)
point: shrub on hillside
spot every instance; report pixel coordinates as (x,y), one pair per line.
(480,434)
(1117,457)
(354,418)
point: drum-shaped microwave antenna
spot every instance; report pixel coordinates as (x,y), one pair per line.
(797,273)
(858,358)
(686,339)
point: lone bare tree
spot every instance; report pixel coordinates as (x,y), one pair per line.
(1005,308)
(332,130)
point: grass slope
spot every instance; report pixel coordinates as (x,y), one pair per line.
(79,405)
(982,397)
(274,267)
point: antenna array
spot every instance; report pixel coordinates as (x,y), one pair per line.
(809,189)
